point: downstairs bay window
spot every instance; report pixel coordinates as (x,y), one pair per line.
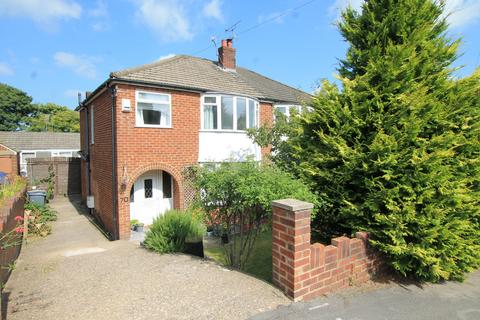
(228,113)
(153,110)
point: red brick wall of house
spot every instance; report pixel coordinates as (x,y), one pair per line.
(305,271)
(142,149)
(101,160)
(8,161)
(266,117)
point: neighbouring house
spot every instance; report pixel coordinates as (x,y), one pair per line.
(144,126)
(18,146)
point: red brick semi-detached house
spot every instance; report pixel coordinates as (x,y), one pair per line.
(143,126)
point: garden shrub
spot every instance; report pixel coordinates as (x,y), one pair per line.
(395,150)
(238,195)
(169,232)
(38,219)
(11,186)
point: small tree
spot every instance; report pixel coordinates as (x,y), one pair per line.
(53,118)
(238,195)
(15,108)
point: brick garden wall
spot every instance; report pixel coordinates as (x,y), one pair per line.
(67,174)
(8,211)
(303,270)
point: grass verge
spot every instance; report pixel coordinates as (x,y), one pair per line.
(260,262)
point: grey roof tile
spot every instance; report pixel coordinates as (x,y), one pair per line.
(205,75)
(24,140)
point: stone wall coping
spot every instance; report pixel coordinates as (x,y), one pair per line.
(292,204)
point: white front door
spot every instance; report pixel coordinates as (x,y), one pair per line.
(151,196)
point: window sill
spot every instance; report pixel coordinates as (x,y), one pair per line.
(223,131)
(152,126)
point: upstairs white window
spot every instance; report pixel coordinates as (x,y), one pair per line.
(228,113)
(153,110)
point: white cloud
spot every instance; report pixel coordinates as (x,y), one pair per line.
(166,18)
(100,10)
(212,10)
(5,70)
(167,56)
(41,11)
(462,12)
(80,64)
(100,16)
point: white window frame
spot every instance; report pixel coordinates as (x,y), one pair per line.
(57,154)
(287,106)
(218,97)
(92,125)
(137,100)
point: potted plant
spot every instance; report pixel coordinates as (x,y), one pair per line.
(224,234)
(210,231)
(139,226)
(133,224)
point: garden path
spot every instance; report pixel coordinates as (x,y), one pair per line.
(75,273)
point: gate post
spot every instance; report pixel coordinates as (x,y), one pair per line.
(291,245)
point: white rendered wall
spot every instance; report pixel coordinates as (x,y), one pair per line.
(226,145)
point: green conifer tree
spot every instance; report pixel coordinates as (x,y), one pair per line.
(395,150)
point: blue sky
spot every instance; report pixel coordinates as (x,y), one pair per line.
(53,49)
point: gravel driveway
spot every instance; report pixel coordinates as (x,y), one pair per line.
(75,273)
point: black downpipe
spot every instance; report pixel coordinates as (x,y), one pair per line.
(113,92)
(87,156)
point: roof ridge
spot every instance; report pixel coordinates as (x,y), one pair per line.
(281,83)
(145,66)
(154,64)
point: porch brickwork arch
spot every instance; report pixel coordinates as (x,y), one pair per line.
(132,176)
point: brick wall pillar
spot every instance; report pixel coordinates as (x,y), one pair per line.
(291,245)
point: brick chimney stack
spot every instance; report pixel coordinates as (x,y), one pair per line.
(226,55)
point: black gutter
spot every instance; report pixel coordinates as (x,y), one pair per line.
(115,236)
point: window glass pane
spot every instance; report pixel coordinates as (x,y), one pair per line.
(28,155)
(151,116)
(282,110)
(167,185)
(153,96)
(148,188)
(227,112)
(210,99)
(241,114)
(251,113)
(154,114)
(210,117)
(132,193)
